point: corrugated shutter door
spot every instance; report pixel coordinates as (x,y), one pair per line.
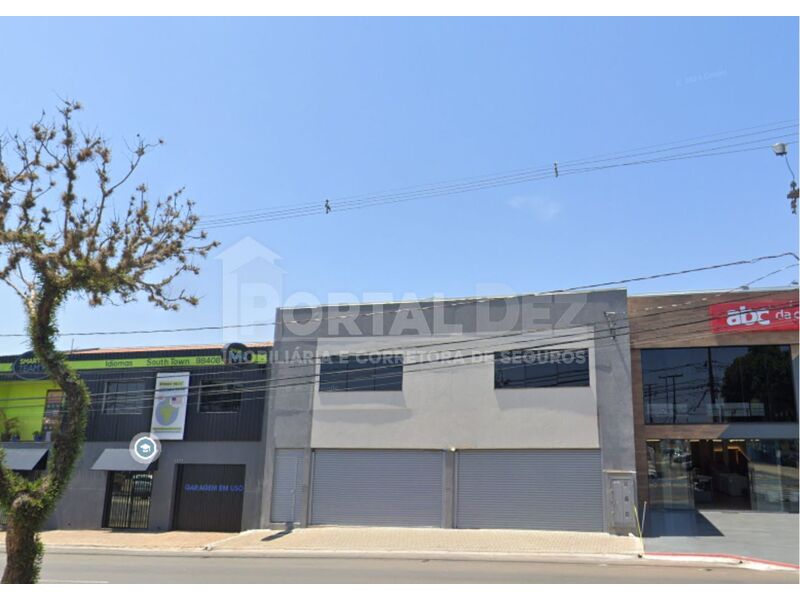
(530,489)
(377,487)
(287,486)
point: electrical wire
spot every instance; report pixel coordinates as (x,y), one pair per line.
(313,378)
(435,302)
(308,209)
(498,176)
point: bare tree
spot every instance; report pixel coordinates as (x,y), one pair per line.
(62,237)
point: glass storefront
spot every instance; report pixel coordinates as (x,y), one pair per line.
(747,474)
(722,384)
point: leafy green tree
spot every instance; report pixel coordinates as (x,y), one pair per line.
(60,237)
(763,376)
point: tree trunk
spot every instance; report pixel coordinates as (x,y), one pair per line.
(23,548)
(31,504)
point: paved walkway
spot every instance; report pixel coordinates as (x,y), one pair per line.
(359,540)
(419,540)
(766,536)
(104,538)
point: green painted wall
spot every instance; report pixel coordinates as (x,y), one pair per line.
(25,401)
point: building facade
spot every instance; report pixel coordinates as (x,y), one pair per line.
(477,413)
(715,378)
(562,411)
(211,426)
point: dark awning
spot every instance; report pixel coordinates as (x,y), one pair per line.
(24,459)
(119,459)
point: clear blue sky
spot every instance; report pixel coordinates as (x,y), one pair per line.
(263,112)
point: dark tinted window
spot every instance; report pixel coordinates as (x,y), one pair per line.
(219,397)
(361,373)
(541,368)
(125,397)
(718,385)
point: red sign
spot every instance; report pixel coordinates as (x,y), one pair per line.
(755,315)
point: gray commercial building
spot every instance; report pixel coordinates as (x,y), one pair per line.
(209,475)
(507,412)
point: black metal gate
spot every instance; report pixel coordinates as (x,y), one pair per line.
(209,498)
(128,500)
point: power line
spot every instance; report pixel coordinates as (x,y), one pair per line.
(661,147)
(438,194)
(471,185)
(534,344)
(308,209)
(434,302)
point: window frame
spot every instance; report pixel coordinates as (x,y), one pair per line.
(369,375)
(237,385)
(138,408)
(713,391)
(529,380)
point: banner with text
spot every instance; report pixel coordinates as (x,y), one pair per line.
(169,405)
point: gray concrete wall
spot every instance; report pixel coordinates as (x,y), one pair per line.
(454,404)
(456,407)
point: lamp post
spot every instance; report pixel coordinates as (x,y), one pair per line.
(780,149)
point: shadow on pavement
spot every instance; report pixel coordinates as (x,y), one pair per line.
(678,523)
(280,534)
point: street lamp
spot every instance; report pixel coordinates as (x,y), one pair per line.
(780,149)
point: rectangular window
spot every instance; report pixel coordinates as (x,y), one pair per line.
(361,373)
(721,384)
(126,397)
(219,397)
(533,368)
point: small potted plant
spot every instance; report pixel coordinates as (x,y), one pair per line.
(9,427)
(37,436)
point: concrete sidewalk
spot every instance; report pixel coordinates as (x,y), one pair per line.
(104,538)
(357,540)
(423,541)
(765,536)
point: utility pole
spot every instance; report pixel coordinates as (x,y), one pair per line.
(674,392)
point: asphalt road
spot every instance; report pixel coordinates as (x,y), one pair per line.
(111,568)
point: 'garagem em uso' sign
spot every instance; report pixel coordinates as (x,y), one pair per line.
(755,315)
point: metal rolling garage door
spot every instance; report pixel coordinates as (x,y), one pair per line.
(377,487)
(209,497)
(530,489)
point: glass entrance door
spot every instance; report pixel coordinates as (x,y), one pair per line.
(773,475)
(721,474)
(670,473)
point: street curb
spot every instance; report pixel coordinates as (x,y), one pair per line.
(206,552)
(747,561)
(632,559)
